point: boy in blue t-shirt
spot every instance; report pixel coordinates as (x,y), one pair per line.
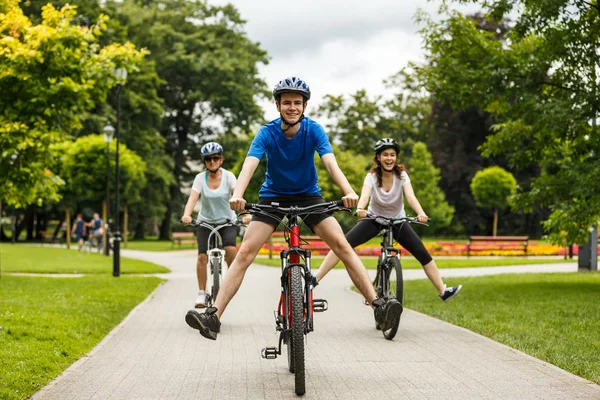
(289,144)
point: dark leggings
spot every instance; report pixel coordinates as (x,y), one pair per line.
(404,234)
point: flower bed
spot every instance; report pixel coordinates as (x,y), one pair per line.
(443,248)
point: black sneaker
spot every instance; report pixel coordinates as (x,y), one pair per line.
(313,281)
(207,322)
(386,312)
(450,292)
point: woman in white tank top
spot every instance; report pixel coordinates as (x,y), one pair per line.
(386,185)
(213,188)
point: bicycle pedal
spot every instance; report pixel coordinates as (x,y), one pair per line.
(320,305)
(269,352)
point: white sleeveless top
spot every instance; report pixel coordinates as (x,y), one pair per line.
(387,204)
(214,204)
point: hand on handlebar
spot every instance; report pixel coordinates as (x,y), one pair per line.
(237,204)
(360,213)
(186,219)
(350,200)
(246,218)
(423,217)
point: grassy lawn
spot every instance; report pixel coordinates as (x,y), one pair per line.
(54,260)
(411,263)
(46,324)
(552,317)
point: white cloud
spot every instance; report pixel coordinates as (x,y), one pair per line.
(336,46)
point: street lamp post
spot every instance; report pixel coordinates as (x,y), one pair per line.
(109,132)
(121,75)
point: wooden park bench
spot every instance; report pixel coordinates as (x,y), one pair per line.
(48,237)
(315,243)
(502,243)
(180,238)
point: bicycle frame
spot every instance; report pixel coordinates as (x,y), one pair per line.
(215,254)
(296,299)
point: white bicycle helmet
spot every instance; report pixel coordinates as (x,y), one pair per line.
(386,143)
(291,85)
(211,148)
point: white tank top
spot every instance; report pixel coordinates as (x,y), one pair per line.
(387,204)
(214,204)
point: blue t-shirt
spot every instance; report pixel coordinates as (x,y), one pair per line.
(290,162)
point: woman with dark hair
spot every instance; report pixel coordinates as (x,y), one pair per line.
(386,184)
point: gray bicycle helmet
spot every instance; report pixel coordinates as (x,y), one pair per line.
(211,148)
(386,143)
(291,85)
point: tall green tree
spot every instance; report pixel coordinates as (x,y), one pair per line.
(425,178)
(209,70)
(492,188)
(83,161)
(541,86)
(50,74)
(357,121)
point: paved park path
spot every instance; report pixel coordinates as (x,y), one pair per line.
(153,354)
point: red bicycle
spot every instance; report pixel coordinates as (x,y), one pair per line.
(294,315)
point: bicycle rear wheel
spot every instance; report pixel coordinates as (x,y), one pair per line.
(215,266)
(395,288)
(297,337)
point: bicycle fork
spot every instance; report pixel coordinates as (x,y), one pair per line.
(283,316)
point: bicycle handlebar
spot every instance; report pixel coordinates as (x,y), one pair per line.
(397,221)
(323,207)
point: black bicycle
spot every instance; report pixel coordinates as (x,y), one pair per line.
(389,268)
(294,315)
(216,256)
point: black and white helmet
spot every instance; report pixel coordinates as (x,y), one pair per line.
(291,85)
(386,143)
(211,148)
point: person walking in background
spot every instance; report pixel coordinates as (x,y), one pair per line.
(386,185)
(97,230)
(79,231)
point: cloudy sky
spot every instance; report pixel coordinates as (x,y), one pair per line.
(336,46)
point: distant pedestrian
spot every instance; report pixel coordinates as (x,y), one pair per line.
(97,230)
(79,231)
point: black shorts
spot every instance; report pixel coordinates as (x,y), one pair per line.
(404,234)
(228,235)
(295,200)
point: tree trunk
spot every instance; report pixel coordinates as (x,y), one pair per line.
(165,227)
(68,230)
(495,221)
(30,222)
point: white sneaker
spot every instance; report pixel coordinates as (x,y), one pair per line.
(201,299)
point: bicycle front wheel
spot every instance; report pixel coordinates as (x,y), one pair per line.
(297,337)
(395,285)
(215,266)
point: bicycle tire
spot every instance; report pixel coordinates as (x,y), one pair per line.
(216,277)
(288,339)
(394,268)
(297,339)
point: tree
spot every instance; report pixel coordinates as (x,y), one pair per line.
(541,86)
(357,121)
(209,70)
(50,74)
(84,160)
(492,188)
(425,178)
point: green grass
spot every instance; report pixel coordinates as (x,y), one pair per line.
(411,263)
(552,317)
(46,324)
(54,260)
